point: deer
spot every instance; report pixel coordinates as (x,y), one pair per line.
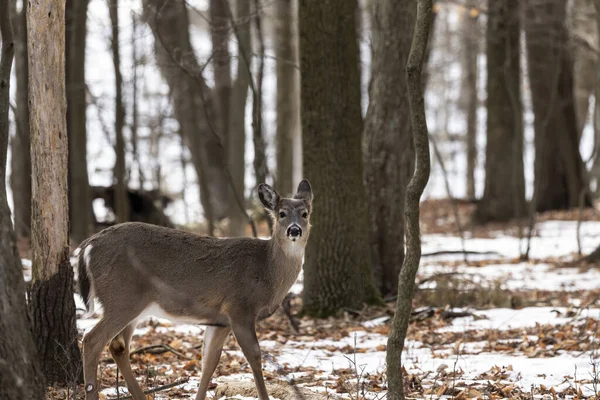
(135,270)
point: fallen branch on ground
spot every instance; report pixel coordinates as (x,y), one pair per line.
(156,389)
(444,252)
(155,349)
(278,391)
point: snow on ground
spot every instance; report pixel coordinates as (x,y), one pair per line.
(491,344)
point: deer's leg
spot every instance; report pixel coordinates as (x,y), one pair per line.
(214,338)
(93,343)
(245,334)
(119,349)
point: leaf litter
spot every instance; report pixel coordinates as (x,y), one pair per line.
(544,346)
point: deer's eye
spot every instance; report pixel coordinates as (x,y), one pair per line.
(304,215)
(282,215)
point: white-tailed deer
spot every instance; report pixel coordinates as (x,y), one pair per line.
(135,270)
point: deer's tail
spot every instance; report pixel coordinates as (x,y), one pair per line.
(80,262)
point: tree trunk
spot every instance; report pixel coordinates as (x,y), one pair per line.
(559,170)
(288,96)
(52,300)
(504,192)
(20,177)
(20,377)
(192,101)
(388,144)
(468,98)
(261,170)
(219,31)
(406,278)
(595,172)
(336,270)
(582,39)
(120,180)
(237,114)
(137,62)
(81,214)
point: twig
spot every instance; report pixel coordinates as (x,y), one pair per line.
(157,389)
(159,349)
(443,252)
(432,277)
(451,197)
(579,214)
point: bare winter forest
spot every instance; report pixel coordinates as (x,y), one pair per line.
(299,199)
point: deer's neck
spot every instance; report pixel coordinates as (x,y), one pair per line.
(287,253)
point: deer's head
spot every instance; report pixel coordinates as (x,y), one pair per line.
(291,215)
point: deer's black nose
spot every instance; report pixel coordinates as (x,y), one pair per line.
(294,231)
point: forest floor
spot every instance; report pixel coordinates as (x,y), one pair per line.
(492,327)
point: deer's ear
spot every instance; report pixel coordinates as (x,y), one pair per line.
(268,196)
(304,191)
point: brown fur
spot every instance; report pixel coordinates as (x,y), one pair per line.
(228,283)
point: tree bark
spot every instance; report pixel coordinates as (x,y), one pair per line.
(237,113)
(469,99)
(288,96)
(20,177)
(388,140)
(192,101)
(120,179)
(504,192)
(406,279)
(559,169)
(336,270)
(20,376)
(80,203)
(52,300)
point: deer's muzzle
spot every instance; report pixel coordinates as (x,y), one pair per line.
(294,232)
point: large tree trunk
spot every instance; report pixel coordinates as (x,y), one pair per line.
(81,216)
(468,99)
(192,101)
(20,177)
(237,115)
(504,192)
(288,95)
(20,376)
(406,278)
(559,170)
(121,200)
(52,300)
(388,141)
(336,270)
